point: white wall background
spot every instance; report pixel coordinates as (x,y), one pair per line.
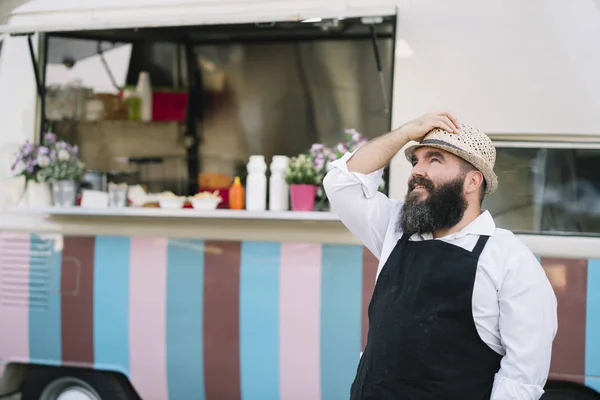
(508,66)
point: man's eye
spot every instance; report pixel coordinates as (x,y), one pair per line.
(435,160)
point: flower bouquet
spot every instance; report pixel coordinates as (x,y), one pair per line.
(323,157)
(303,179)
(54,162)
(29,163)
(61,160)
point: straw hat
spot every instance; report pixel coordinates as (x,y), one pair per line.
(471,144)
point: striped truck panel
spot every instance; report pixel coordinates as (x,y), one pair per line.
(193,319)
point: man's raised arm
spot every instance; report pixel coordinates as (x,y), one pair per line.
(352,184)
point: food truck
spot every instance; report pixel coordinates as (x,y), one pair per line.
(161,303)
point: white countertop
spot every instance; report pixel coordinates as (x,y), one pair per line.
(177,213)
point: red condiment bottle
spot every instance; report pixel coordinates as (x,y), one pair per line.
(236,195)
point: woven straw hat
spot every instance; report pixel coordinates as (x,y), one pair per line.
(471,144)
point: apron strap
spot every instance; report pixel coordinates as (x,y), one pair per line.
(480,245)
(404,237)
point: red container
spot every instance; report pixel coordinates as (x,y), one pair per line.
(169,106)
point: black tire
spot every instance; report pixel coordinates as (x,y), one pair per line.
(108,386)
(569,393)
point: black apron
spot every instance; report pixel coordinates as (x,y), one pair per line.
(422,342)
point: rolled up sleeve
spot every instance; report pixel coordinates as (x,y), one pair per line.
(355,198)
(528,325)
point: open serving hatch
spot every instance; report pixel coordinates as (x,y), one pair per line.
(267,78)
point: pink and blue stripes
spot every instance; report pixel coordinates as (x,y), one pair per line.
(152,310)
(298,312)
(183,318)
(268,319)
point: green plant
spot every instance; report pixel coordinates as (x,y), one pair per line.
(60,170)
(301,171)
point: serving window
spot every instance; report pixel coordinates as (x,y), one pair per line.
(221,94)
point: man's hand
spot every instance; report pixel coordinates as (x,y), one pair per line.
(378,152)
(419,127)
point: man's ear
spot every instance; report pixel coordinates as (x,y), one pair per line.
(474,181)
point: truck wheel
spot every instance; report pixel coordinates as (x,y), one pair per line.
(568,393)
(73,384)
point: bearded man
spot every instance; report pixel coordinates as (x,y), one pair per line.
(461,310)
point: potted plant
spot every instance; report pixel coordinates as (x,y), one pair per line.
(324,156)
(303,179)
(30,162)
(64,171)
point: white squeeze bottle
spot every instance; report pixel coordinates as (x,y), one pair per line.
(144,91)
(278,187)
(256,184)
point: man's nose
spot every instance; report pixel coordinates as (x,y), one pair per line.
(417,171)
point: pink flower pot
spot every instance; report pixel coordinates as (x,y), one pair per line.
(303,197)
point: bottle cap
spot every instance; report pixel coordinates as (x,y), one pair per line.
(236,181)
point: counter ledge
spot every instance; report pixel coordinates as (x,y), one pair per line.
(179,213)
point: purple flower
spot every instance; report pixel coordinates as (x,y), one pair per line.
(43,151)
(341,148)
(49,138)
(30,166)
(75,150)
(43,161)
(27,148)
(319,162)
(316,148)
(18,167)
(332,157)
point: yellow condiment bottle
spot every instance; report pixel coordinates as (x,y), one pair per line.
(236,195)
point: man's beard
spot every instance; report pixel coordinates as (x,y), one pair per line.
(443,207)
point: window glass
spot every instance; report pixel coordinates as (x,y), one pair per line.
(547,190)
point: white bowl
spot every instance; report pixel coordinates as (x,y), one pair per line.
(205,204)
(171,202)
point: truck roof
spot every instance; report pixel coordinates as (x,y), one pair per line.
(71,15)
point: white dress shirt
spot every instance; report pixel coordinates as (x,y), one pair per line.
(514,306)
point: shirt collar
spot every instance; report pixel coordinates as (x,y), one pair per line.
(483,225)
